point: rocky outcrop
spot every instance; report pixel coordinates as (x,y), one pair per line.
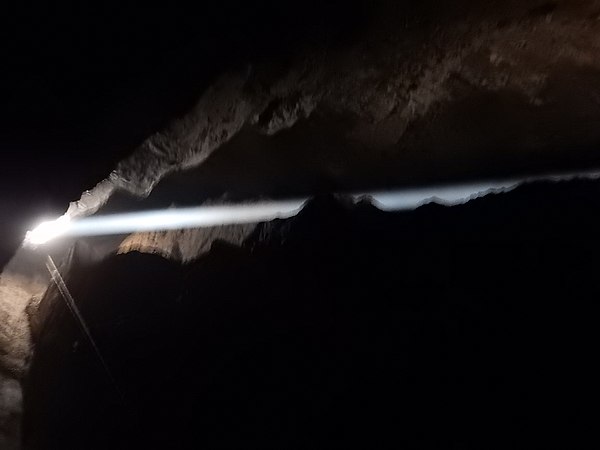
(446,326)
(426,92)
(184,245)
(16,291)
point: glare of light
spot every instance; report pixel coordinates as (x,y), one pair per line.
(167,219)
(210,216)
(48,230)
(412,198)
(180,218)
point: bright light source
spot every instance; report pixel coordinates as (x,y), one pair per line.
(48,230)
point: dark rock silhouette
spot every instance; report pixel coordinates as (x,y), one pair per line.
(342,327)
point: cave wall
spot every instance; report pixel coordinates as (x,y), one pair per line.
(421,92)
(418,95)
(343,326)
(16,291)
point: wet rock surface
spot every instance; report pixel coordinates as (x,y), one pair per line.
(343,326)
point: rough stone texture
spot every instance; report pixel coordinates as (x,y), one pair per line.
(184,245)
(342,327)
(16,292)
(510,81)
(467,88)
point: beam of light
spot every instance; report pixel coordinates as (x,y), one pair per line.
(167,219)
(179,218)
(209,216)
(444,195)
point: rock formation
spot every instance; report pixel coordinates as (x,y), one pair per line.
(419,93)
(425,94)
(342,326)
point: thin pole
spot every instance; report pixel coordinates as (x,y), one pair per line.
(68,298)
